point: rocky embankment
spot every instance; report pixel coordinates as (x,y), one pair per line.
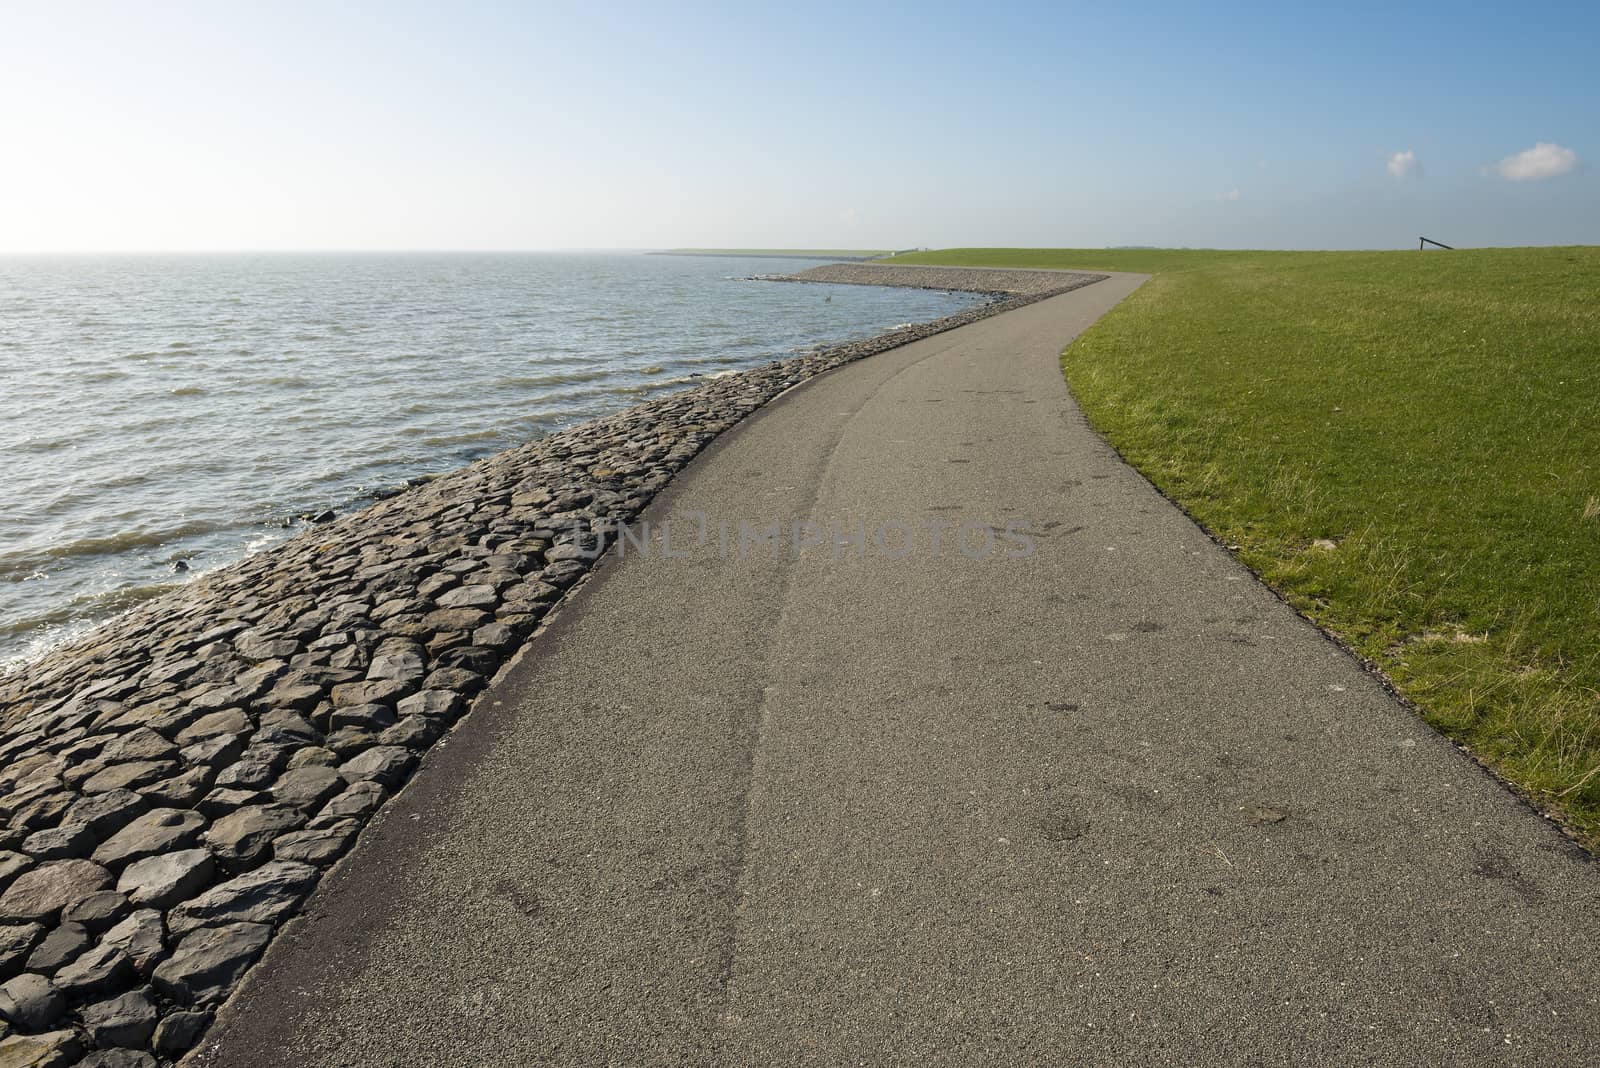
(173,785)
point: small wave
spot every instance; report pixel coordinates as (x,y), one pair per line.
(104,376)
(463,439)
(653,369)
(665,383)
(189,391)
(40,633)
(99,605)
(559,378)
(32,560)
(179,346)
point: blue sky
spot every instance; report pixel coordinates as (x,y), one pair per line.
(478,126)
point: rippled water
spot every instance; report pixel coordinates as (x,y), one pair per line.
(171,411)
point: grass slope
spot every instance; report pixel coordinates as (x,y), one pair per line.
(1437,415)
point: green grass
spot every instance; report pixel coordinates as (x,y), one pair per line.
(1437,415)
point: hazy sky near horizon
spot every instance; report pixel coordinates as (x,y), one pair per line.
(187,126)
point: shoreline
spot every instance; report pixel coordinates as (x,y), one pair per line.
(212,751)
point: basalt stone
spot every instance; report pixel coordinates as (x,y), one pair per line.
(352,658)
(167,878)
(494,636)
(402,662)
(371,717)
(302,696)
(361,800)
(498,580)
(472,657)
(169,723)
(126,1021)
(453,678)
(307,788)
(375,692)
(395,606)
(227,721)
(60,843)
(446,639)
(171,670)
(28,768)
(346,742)
(219,698)
(440,704)
(160,830)
(97,912)
(31,1002)
(139,744)
(258,646)
(209,961)
(434,585)
(12,863)
(178,1032)
(411,627)
(180,791)
(223,800)
(572,551)
(16,943)
(99,969)
(59,947)
(316,845)
(28,791)
(564,573)
(386,765)
(106,814)
(283,726)
(55,1049)
(246,773)
(413,732)
(128,776)
(41,893)
(118,1058)
(142,936)
(243,838)
(265,895)
(215,751)
(455,619)
(476,596)
(313,756)
(42,810)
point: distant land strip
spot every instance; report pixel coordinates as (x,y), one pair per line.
(832,254)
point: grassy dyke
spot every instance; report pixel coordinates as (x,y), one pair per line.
(1434,415)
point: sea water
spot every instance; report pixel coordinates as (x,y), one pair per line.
(162,415)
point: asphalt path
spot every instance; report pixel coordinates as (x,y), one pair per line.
(1072,788)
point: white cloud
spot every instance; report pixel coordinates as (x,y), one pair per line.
(1543,160)
(1230,195)
(1404,164)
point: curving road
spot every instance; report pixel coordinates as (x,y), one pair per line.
(1107,802)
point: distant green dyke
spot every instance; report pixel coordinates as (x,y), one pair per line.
(783,253)
(1432,419)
